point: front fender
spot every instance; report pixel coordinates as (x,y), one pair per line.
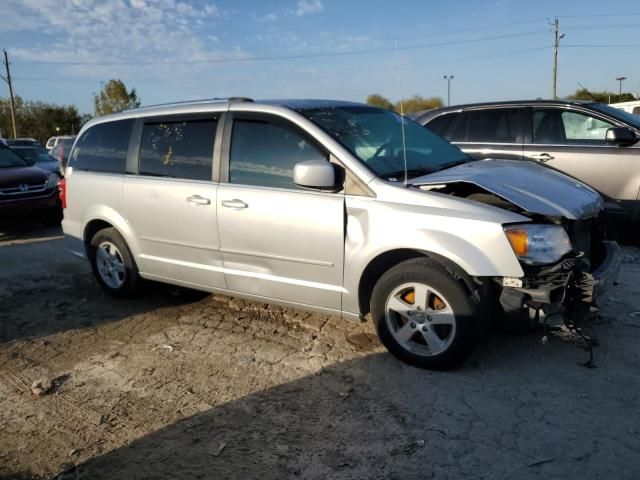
(477,246)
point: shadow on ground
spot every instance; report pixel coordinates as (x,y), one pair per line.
(373,417)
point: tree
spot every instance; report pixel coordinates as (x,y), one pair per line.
(602,97)
(114,97)
(413,104)
(39,120)
(379,101)
(416,103)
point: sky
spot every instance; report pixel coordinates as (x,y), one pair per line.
(170,50)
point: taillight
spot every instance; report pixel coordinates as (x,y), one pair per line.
(63,192)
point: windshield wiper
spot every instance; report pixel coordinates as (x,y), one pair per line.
(455,163)
(411,173)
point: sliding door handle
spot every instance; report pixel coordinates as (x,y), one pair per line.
(198,200)
(235,203)
(543,157)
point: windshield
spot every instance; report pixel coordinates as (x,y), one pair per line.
(10,159)
(34,154)
(375,137)
(621,115)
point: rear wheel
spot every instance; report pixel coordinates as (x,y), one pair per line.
(423,315)
(112,263)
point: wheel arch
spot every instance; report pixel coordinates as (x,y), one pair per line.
(386,260)
(100,218)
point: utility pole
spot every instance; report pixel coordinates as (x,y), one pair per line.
(448,78)
(11,105)
(556,43)
(620,80)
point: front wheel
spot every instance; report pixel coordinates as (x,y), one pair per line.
(423,315)
(112,263)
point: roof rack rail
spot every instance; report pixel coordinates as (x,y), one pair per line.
(194,102)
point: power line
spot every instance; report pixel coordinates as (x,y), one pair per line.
(327,73)
(289,57)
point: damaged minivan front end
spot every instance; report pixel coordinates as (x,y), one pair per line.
(565,259)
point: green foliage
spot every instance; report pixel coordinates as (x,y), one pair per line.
(602,97)
(417,103)
(39,120)
(414,104)
(114,97)
(379,101)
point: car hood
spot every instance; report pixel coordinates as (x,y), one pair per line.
(13,176)
(530,186)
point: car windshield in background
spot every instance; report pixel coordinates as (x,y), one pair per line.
(34,154)
(66,143)
(621,115)
(375,137)
(8,158)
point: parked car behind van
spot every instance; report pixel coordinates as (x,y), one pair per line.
(60,147)
(26,190)
(309,204)
(594,143)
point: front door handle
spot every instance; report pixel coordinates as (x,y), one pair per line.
(198,200)
(543,157)
(235,203)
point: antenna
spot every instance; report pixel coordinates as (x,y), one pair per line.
(588,92)
(404,143)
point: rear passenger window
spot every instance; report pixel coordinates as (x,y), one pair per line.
(493,126)
(103,147)
(264,154)
(178,149)
(441,124)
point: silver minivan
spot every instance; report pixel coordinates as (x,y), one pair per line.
(337,207)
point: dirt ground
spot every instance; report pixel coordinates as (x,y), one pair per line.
(180,384)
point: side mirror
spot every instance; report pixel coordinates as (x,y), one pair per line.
(621,136)
(314,174)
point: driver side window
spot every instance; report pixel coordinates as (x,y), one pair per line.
(264,154)
(566,127)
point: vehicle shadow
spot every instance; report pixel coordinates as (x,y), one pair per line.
(44,290)
(26,230)
(373,417)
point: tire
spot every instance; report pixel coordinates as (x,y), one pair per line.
(112,264)
(438,326)
(52,217)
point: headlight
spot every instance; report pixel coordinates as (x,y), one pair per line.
(538,244)
(53,181)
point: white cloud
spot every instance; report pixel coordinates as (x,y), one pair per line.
(117,31)
(269,17)
(306,7)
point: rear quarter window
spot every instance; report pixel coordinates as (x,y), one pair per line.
(103,147)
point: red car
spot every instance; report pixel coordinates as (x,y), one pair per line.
(26,190)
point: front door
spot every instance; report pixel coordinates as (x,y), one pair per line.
(573,142)
(278,240)
(171,203)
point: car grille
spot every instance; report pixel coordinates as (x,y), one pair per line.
(587,237)
(23,190)
(549,276)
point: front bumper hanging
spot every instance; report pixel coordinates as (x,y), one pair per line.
(567,287)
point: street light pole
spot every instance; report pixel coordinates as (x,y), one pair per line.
(448,78)
(620,80)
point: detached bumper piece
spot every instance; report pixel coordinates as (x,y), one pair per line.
(567,288)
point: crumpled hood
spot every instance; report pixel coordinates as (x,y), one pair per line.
(532,187)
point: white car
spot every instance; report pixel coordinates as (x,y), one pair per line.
(337,207)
